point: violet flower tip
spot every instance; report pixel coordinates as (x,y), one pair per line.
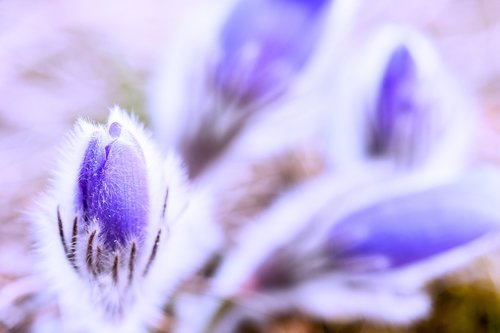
(115,130)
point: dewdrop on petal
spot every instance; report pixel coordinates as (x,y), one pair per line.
(397,102)
(102,226)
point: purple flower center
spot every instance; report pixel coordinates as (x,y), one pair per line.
(112,187)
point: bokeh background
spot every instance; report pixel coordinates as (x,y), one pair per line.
(60,60)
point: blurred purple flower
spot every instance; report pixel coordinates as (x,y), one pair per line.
(396,99)
(113,186)
(364,253)
(387,235)
(415,227)
(397,102)
(242,73)
(264,43)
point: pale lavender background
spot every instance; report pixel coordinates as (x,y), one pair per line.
(63,59)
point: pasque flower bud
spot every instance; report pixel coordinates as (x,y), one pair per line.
(101,228)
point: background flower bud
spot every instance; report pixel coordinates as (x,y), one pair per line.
(363,249)
(263,44)
(397,102)
(243,83)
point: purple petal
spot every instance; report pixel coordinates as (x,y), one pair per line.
(113,186)
(415,227)
(396,99)
(278,271)
(264,43)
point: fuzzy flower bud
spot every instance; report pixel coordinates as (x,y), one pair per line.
(101,228)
